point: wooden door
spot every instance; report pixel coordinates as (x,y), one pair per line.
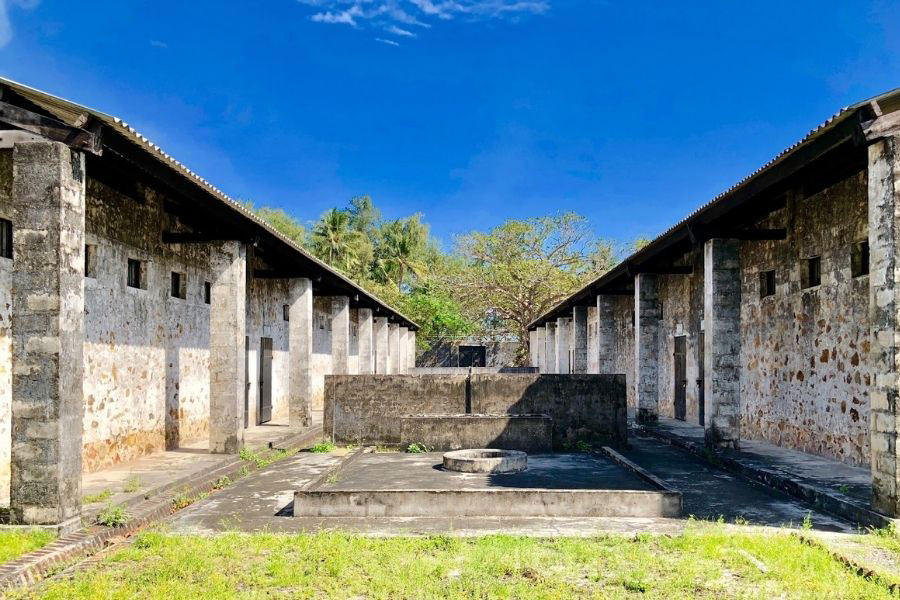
(265,380)
(680,378)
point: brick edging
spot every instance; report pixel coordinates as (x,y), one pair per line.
(780,480)
(31,567)
(853,565)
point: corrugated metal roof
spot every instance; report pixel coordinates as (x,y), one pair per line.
(70,112)
(817,131)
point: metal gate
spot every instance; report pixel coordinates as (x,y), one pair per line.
(265,380)
(680,378)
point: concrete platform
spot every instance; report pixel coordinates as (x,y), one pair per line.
(416,485)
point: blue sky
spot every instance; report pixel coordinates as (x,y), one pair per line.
(469,111)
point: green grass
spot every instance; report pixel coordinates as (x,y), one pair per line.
(16,542)
(113,515)
(416,448)
(98,497)
(708,561)
(323,448)
(132,484)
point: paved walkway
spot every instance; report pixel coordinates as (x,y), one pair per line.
(126,481)
(854,482)
(263,502)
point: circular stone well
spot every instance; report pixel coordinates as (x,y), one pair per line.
(486,460)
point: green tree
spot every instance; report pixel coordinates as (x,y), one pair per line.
(336,242)
(281,221)
(522,268)
(400,250)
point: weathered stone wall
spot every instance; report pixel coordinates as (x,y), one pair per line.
(806,372)
(590,408)
(623,353)
(265,318)
(5,333)
(446,353)
(681,299)
(321,358)
(364,408)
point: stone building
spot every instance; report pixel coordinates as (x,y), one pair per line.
(141,308)
(769,313)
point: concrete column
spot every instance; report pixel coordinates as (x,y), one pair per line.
(411,351)
(884,320)
(606,334)
(227,329)
(366,349)
(340,335)
(403,363)
(48,207)
(550,348)
(722,342)
(539,349)
(381,345)
(563,332)
(300,336)
(393,349)
(646,346)
(580,339)
(532,348)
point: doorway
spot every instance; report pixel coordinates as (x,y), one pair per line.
(701,405)
(680,378)
(265,380)
(472,356)
(246,382)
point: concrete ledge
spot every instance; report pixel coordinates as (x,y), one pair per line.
(487,503)
(823,499)
(640,471)
(528,433)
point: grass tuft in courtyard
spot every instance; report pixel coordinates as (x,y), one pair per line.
(16,542)
(707,561)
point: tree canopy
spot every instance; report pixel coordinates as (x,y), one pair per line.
(491,283)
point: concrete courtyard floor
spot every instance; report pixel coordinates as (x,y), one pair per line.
(262,502)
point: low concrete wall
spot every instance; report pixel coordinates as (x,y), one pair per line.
(528,433)
(365,409)
(487,502)
(591,408)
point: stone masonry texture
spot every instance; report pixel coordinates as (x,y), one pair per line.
(48,204)
(301,341)
(580,339)
(722,351)
(646,348)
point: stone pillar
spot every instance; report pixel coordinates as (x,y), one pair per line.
(227,329)
(579,339)
(884,320)
(540,347)
(563,331)
(403,347)
(646,346)
(550,348)
(340,335)
(381,330)
(48,207)
(393,349)
(532,348)
(411,351)
(722,342)
(606,334)
(300,336)
(366,350)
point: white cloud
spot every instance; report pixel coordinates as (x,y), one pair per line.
(6,31)
(158,44)
(400,32)
(388,42)
(397,17)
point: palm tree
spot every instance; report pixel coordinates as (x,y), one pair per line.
(337,243)
(400,249)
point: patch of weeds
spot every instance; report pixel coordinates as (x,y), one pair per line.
(582,446)
(711,456)
(332,478)
(245,470)
(222,482)
(844,488)
(132,484)
(98,497)
(416,448)
(323,448)
(807,521)
(382,449)
(635,585)
(113,515)
(183,499)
